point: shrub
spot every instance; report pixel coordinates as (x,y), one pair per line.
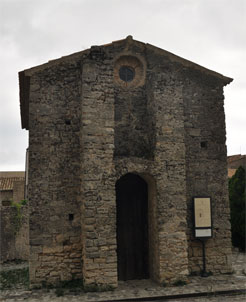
(59,292)
(98,288)
(18,217)
(10,279)
(237,204)
(179,282)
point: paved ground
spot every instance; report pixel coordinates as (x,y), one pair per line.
(229,298)
(146,289)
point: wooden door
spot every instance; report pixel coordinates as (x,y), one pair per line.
(132,227)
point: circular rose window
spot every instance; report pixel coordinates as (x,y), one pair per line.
(126,73)
(129,71)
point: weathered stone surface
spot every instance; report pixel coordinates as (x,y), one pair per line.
(88,128)
(14,233)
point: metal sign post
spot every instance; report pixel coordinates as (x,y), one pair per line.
(204,272)
(203,224)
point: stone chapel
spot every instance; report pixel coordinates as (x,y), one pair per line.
(122,137)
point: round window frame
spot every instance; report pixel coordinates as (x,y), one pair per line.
(135,63)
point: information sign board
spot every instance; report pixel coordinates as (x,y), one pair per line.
(203,217)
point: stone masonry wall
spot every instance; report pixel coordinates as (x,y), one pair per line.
(54,174)
(206,169)
(132,121)
(98,186)
(14,233)
(87,130)
(165,173)
(22,235)
(18,191)
(169,160)
(6,197)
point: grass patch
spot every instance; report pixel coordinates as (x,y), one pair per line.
(74,286)
(164,284)
(20,278)
(179,283)
(11,278)
(194,274)
(71,284)
(59,292)
(98,288)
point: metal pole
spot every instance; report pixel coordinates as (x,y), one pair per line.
(204,273)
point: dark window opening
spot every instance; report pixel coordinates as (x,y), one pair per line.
(66,242)
(67,122)
(70,217)
(204,144)
(6,203)
(126,73)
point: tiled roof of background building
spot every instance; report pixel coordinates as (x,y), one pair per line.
(231,172)
(233,158)
(7,179)
(234,162)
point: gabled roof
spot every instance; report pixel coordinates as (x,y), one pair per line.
(24,76)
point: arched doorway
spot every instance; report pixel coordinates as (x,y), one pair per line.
(132,227)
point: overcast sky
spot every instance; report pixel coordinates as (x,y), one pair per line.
(208,32)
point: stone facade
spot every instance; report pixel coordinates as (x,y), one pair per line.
(94,117)
(14,223)
(14,233)
(12,188)
(234,162)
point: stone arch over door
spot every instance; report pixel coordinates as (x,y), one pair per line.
(132,227)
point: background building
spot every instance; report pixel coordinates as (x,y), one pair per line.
(234,162)
(14,222)
(11,187)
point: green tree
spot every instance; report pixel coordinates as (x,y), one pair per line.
(237,197)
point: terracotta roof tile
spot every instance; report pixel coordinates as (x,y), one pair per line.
(231,172)
(234,157)
(7,183)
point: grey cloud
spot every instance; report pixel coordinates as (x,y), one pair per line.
(210,33)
